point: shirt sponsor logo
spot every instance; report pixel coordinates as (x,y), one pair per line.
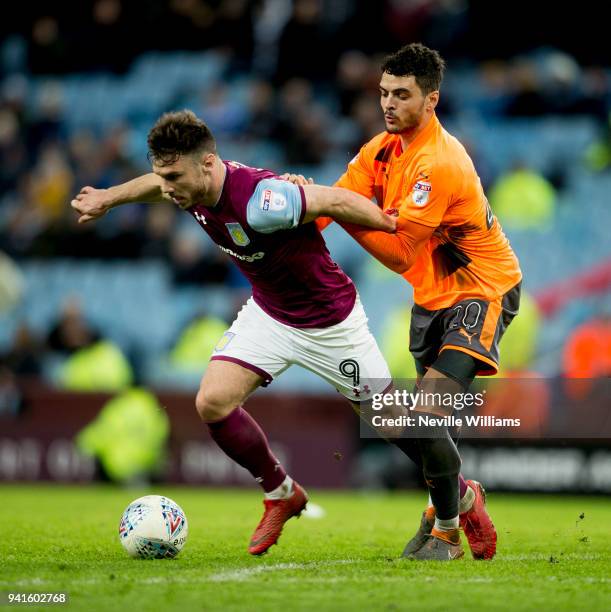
(420,193)
(273,201)
(237,233)
(267,198)
(248,258)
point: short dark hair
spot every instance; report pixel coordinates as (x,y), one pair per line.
(178,133)
(424,64)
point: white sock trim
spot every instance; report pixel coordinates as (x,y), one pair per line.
(464,505)
(446,524)
(282,491)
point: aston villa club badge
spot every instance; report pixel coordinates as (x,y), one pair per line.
(237,233)
(221,345)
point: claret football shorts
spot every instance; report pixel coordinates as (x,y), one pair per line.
(346,355)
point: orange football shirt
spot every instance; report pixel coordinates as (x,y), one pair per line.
(434,183)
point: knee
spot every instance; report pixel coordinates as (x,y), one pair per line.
(211,405)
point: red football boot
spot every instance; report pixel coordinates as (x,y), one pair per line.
(477,525)
(277,512)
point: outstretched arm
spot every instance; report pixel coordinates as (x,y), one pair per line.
(279,205)
(93,203)
(345,206)
(356,179)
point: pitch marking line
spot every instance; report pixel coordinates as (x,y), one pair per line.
(247,573)
(243,576)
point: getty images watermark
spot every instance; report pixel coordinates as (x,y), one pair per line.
(424,410)
(528,407)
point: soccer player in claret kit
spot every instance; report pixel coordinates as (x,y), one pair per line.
(450,247)
(303,310)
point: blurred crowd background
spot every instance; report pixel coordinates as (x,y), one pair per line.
(142,296)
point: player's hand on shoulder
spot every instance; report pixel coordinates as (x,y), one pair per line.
(296,179)
(91,203)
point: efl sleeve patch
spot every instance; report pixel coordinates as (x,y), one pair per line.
(275,205)
(428,195)
(421,193)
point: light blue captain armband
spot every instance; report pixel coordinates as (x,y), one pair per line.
(275,205)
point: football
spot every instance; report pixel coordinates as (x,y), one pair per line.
(153,527)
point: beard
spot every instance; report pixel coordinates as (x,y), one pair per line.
(408,124)
(196,196)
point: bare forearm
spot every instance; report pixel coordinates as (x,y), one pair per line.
(345,206)
(91,203)
(145,188)
(354,208)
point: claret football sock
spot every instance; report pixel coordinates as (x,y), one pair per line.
(283,491)
(240,438)
(462,486)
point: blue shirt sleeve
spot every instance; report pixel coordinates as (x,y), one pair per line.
(275,205)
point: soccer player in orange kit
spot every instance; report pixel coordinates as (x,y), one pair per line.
(450,247)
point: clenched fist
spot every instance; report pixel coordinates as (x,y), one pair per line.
(91,203)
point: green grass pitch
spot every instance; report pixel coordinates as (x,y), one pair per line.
(65,539)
